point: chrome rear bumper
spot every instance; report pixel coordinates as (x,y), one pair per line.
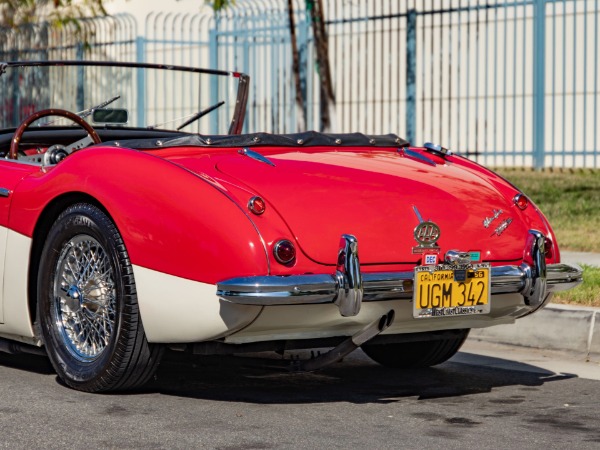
(348,287)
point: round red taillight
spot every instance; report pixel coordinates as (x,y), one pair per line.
(521,201)
(257,205)
(284,252)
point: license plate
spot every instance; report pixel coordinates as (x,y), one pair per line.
(445,291)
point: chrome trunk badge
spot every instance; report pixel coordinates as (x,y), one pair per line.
(426,234)
(503,226)
(458,258)
(488,220)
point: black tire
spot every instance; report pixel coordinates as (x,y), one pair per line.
(413,355)
(87,309)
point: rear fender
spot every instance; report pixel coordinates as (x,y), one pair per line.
(532,216)
(171,220)
(182,235)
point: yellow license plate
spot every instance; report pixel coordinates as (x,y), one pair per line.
(444,291)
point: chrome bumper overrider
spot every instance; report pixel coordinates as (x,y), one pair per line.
(348,287)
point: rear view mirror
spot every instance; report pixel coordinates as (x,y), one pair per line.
(110,115)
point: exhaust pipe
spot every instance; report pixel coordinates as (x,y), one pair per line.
(15,348)
(346,347)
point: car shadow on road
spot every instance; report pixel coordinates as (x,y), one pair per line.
(356,379)
(266,378)
(27,362)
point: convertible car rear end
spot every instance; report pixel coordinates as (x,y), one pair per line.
(154,224)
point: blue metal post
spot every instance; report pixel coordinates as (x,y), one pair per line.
(411,69)
(140,55)
(539,83)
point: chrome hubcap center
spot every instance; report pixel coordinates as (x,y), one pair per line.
(74,299)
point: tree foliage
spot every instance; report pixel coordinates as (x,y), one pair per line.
(218,5)
(59,12)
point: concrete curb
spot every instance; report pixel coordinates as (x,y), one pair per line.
(575,329)
(556,327)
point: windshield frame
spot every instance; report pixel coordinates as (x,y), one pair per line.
(239,113)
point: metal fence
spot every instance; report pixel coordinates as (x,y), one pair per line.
(105,38)
(505,82)
(509,82)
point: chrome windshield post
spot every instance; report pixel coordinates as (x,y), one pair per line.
(348,277)
(535,290)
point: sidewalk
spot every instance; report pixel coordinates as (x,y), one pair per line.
(591,259)
(575,329)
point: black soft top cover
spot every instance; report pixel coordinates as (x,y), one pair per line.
(308,138)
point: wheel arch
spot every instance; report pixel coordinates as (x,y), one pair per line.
(45,221)
(173,223)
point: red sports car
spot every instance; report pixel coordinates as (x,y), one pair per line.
(134,216)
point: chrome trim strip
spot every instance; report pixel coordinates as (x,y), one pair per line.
(387,286)
(348,287)
(562,277)
(256,156)
(4,192)
(278,290)
(239,113)
(418,156)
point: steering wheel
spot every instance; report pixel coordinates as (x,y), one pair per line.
(14,145)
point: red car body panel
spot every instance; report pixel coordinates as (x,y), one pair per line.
(197,236)
(321,193)
(197,183)
(11,174)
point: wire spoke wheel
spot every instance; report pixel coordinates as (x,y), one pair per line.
(87,310)
(85,297)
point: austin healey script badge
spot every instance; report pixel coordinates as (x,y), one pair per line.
(488,220)
(426,234)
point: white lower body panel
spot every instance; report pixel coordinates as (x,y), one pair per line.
(324,320)
(177,310)
(17,321)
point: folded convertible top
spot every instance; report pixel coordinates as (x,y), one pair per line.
(308,138)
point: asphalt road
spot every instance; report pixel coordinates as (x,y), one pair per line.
(485,397)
